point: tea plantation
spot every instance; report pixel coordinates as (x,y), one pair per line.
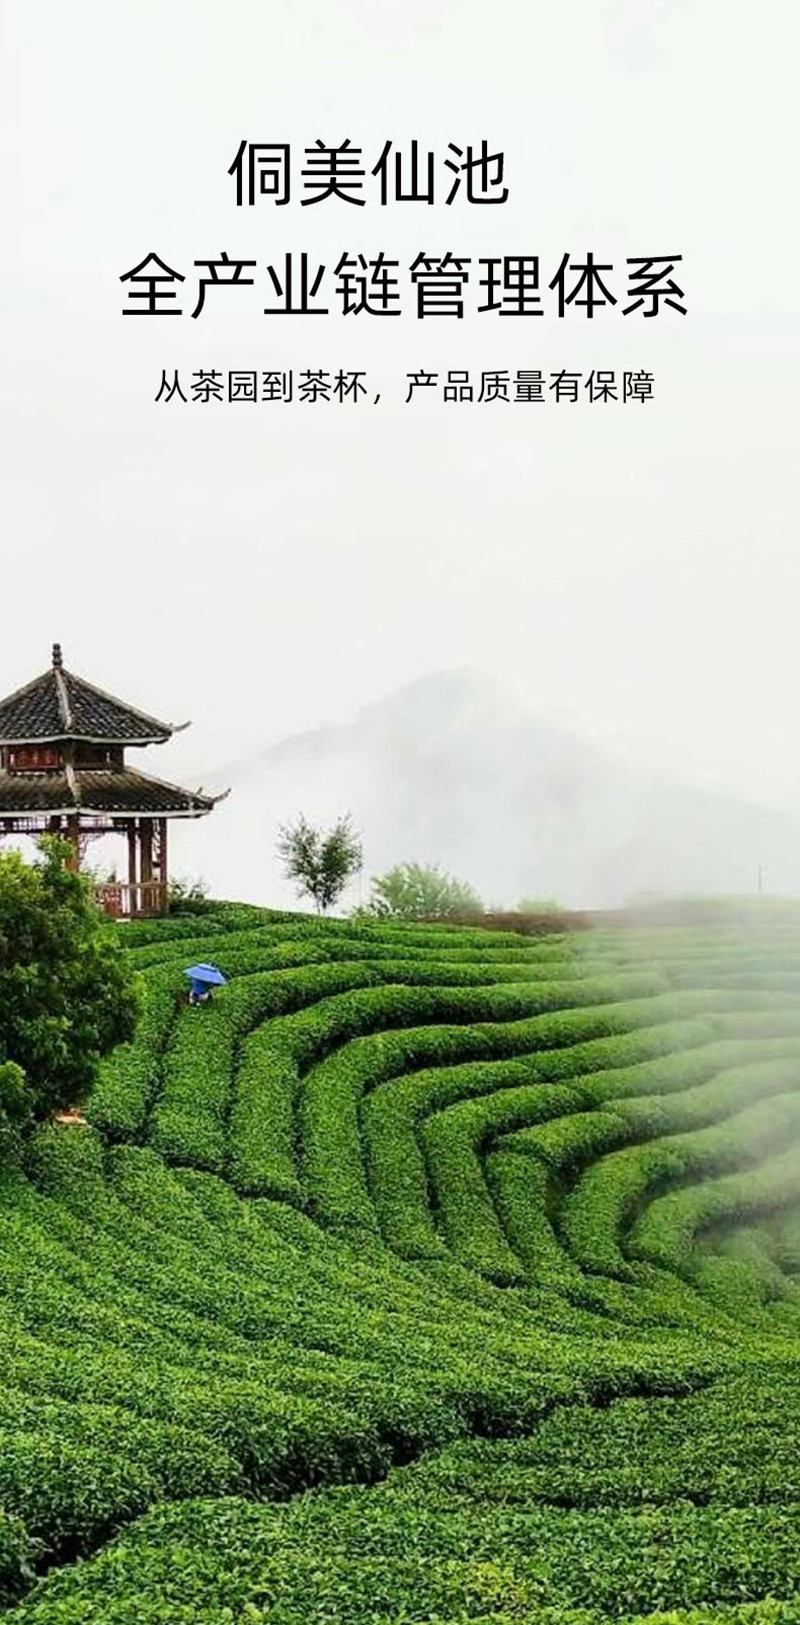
(425,1275)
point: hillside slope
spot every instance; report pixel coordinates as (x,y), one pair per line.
(425,1275)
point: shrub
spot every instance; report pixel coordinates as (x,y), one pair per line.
(412,891)
(188,897)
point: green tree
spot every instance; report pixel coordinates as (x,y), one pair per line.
(67,994)
(414,891)
(320,862)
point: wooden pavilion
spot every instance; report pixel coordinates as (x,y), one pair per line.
(63,771)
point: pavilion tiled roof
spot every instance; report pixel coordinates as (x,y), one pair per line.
(59,705)
(124,792)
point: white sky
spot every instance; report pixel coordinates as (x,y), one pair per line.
(633,573)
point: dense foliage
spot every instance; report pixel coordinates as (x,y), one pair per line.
(14,1107)
(415,891)
(67,994)
(426,1275)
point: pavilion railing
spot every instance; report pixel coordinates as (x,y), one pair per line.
(126,901)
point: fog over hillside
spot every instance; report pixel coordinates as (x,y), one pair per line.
(452,770)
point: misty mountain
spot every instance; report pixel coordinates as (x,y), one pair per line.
(451,770)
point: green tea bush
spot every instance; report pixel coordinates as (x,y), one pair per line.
(426,1274)
(17,1555)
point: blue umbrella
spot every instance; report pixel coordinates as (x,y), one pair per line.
(203,977)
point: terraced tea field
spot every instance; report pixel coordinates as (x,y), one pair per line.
(425,1275)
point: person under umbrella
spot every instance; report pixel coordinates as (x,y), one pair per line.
(202,981)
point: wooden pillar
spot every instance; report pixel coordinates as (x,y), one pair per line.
(146,862)
(163,869)
(132,871)
(73,827)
